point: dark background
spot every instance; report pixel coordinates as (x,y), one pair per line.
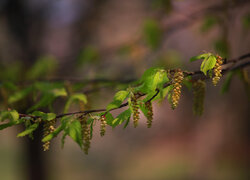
(114,39)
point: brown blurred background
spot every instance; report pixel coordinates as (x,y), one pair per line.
(120,39)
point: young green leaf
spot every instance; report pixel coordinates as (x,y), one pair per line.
(12,116)
(74,130)
(152,79)
(201,56)
(63,139)
(109,117)
(74,98)
(119,97)
(208,64)
(9,124)
(54,133)
(28,130)
(45,116)
(125,115)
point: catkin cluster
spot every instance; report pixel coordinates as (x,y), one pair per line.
(199,88)
(149,107)
(48,128)
(86,134)
(103,125)
(135,108)
(217,70)
(176,93)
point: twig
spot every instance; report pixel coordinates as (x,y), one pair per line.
(194,75)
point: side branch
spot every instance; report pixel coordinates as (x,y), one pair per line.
(232,64)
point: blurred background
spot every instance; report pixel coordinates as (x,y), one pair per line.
(119,40)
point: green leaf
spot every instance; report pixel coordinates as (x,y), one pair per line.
(54,133)
(152,79)
(29,130)
(161,95)
(63,139)
(45,116)
(59,92)
(152,33)
(201,56)
(75,131)
(12,116)
(109,117)
(19,95)
(208,64)
(125,115)
(143,108)
(9,124)
(6,125)
(118,99)
(4,115)
(49,91)
(126,124)
(73,98)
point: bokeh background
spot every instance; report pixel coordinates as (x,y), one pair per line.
(120,39)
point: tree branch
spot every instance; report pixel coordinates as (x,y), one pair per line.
(195,75)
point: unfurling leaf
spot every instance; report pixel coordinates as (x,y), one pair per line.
(28,130)
(119,97)
(73,98)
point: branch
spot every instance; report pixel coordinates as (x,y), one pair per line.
(195,75)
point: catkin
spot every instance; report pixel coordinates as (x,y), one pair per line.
(135,108)
(176,93)
(199,88)
(217,70)
(86,134)
(48,128)
(149,113)
(103,125)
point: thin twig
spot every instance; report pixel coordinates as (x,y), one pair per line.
(194,75)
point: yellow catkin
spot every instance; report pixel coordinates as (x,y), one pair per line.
(86,134)
(48,128)
(176,93)
(135,108)
(217,70)
(149,113)
(103,125)
(199,88)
